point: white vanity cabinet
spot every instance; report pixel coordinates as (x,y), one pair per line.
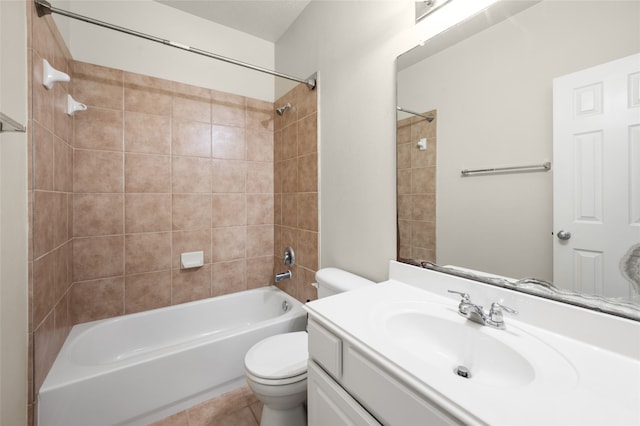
(347,387)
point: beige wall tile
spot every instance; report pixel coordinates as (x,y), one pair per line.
(228,243)
(147,213)
(290,210)
(308,135)
(191,211)
(98,214)
(308,249)
(227,109)
(290,141)
(228,142)
(196,107)
(43,226)
(191,174)
(259,146)
(147,173)
(62,166)
(147,252)
(308,173)
(98,257)
(43,287)
(62,269)
(259,272)
(43,154)
(260,178)
(98,128)
(94,300)
(97,171)
(44,339)
(289,175)
(190,284)
(404,155)
(97,86)
(260,209)
(259,240)
(229,210)
(308,211)
(306,100)
(423,235)
(423,180)
(259,115)
(147,133)
(228,277)
(147,291)
(404,182)
(146,94)
(191,138)
(423,207)
(228,176)
(60,218)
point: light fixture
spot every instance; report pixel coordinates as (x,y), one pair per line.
(426,7)
(429,23)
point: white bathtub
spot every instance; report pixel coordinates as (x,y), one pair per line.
(138,368)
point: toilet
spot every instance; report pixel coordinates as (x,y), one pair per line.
(276,367)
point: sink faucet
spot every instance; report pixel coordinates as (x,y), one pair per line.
(476,313)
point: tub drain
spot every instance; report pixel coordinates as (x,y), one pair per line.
(462,371)
(285,306)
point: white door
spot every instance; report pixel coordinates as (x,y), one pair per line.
(596,182)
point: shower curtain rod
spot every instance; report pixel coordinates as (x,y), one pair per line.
(44,8)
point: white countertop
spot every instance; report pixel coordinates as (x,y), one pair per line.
(575,382)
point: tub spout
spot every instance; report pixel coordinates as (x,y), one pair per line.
(283,276)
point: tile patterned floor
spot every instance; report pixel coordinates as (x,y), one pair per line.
(236,408)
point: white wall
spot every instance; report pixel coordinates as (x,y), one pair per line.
(13,217)
(488,117)
(90,43)
(353,45)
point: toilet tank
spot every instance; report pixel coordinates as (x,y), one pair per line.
(333,281)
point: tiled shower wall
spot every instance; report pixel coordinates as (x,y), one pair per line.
(416,189)
(162,168)
(50,187)
(296,190)
(152,169)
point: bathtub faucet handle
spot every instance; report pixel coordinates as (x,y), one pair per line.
(289,256)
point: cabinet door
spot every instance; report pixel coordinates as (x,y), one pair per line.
(329,405)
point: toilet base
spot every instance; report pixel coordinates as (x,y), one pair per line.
(296,416)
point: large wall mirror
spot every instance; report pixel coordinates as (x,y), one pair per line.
(495,93)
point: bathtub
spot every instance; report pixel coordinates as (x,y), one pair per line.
(139,368)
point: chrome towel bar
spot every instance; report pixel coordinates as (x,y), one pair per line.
(8,124)
(535,167)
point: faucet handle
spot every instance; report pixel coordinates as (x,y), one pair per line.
(495,314)
(465,296)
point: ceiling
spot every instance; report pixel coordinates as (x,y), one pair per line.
(266,19)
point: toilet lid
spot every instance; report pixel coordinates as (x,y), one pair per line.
(278,357)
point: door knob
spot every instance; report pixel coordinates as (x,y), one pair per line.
(564,235)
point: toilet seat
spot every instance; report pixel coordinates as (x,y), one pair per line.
(279,359)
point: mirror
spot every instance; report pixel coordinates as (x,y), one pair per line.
(489,83)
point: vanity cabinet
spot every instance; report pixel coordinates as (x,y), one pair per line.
(347,387)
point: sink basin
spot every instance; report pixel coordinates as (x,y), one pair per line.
(440,340)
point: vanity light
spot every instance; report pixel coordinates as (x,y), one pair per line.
(429,23)
(50,75)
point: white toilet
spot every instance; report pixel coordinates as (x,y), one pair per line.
(276,367)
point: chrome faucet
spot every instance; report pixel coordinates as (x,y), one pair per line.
(476,313)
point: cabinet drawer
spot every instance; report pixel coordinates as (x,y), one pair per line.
(329,404)
(325,348)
